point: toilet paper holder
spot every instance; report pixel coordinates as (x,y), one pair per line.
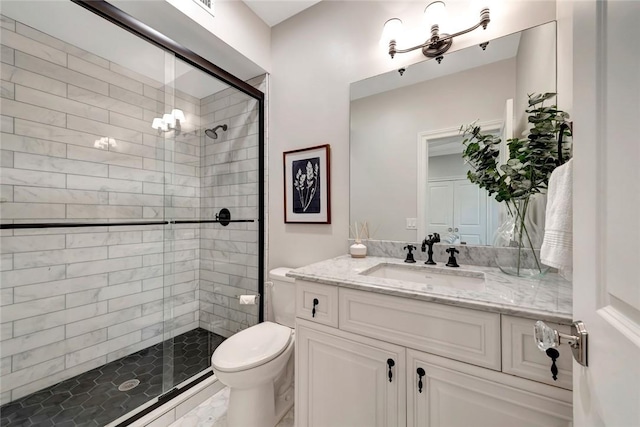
(240,297)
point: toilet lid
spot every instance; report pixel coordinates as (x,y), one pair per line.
(251,347)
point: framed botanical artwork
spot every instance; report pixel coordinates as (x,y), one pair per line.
(306,185)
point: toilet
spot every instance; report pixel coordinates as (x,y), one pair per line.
(257,363)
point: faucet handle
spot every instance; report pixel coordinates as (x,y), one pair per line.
(452,257)
(436,237)
(410,258)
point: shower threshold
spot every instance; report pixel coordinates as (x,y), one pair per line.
(104,394)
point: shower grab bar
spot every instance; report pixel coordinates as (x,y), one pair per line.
(111,224)
(210,221)
(78,224)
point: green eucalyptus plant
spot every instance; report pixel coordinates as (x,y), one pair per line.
(529,165)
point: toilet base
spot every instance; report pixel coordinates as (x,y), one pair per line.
(252,407)
(261,406)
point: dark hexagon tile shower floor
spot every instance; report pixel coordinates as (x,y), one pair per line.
(93,398)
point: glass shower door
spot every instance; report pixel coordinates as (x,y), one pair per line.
(211,244)
(82,204)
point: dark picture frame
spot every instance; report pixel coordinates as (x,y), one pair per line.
(307,192)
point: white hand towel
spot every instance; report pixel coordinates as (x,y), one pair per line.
(557,246)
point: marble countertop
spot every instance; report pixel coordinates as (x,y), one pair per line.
(548,298)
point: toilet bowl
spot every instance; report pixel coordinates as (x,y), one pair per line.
(257,363)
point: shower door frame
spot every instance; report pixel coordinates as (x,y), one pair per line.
(129,23)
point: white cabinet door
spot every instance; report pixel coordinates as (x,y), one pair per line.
(458,207)
(470,212)
(440,207)
(455,394)
(342,380)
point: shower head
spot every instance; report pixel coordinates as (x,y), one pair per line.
(211,133)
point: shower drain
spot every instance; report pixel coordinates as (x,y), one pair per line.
(129,385)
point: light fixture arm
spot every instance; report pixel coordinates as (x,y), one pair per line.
(439,44)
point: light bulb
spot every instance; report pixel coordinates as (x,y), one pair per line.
(157,124)
(435,14)
(169,120)
(391,31)
(178,114)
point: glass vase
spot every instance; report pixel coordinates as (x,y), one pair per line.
(518,240)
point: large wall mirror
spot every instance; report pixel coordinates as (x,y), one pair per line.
(408,177)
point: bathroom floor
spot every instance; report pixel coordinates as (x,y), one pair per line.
(213,413)
(93,398)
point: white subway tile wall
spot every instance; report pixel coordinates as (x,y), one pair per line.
(75,298)
(229,255)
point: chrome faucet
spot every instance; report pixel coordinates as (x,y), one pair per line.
(433,238)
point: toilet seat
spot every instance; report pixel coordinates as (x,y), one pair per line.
(251,347)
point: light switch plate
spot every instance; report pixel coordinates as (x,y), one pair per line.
(411,223)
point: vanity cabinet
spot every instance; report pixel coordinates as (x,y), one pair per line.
(455,394)
(344,380)
(447,365)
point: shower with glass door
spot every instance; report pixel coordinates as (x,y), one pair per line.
(131,214)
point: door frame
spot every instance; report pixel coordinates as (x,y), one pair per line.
(424,139)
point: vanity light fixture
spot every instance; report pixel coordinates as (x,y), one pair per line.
(168,122)
(437,44)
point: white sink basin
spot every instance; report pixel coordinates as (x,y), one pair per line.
(453,278)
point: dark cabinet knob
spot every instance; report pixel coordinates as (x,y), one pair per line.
(313,310)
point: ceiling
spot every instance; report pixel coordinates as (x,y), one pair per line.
(75,25)
(274,12)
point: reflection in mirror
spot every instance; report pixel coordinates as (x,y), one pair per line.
(408,178)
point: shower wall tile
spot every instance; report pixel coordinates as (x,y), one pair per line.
(31,341)
(58,287)
(31,145)
(24,44)
(47,69)
(79,269)
(60,103)
(60,348)
(55,164)
(7,90)
(6,331)
(33,373)
(55,377)
(57,318)
(33,80)
(41,37)
(74,299)
(224,253)
(101,322)
(103,74)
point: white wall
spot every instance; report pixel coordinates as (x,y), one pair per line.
(536,70)
(315,56)
(235,39)
(385,127)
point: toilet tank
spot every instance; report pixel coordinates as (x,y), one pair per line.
(283,297)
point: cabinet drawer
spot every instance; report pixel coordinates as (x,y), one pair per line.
(470,336)
(326,308)
(521,357)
